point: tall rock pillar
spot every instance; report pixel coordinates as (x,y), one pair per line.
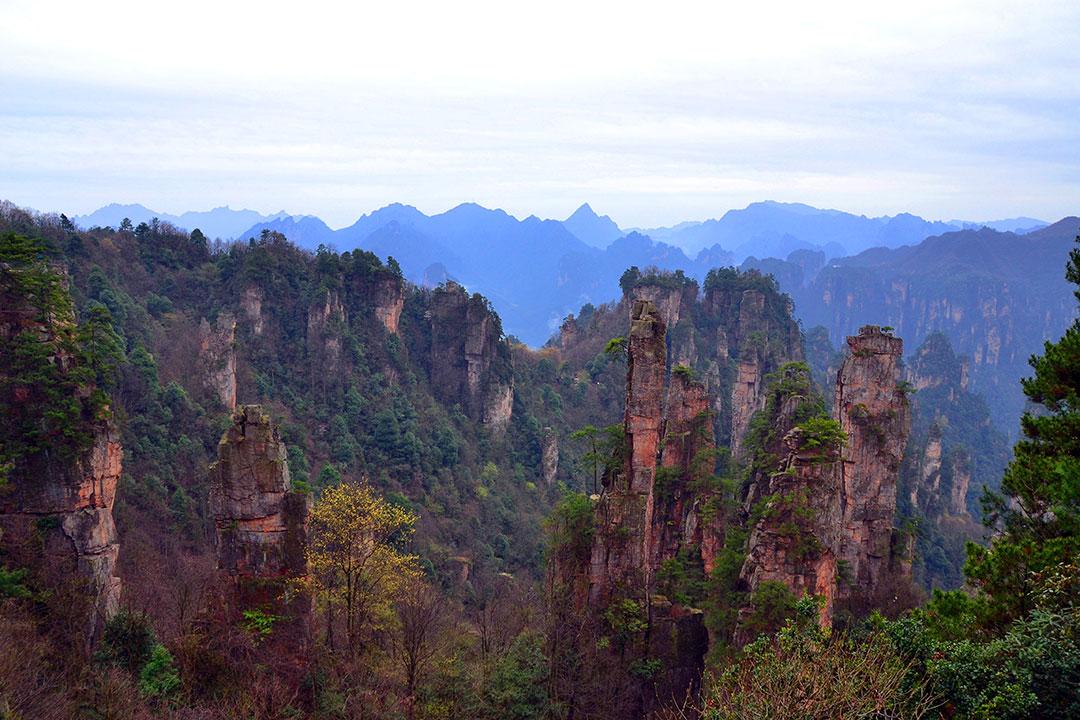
(260,522)
(619,555)
(872,408)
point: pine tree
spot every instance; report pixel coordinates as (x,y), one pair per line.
(1038,514)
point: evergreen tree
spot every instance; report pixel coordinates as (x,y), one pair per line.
(1038,515)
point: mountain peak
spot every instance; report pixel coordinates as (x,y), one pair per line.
(596,230)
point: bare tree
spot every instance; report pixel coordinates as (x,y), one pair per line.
(421,612)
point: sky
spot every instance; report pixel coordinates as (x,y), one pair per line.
(653,112)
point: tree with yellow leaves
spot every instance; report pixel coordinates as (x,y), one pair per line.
(356,560)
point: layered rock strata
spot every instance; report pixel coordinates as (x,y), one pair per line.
(63,515)
(260,522)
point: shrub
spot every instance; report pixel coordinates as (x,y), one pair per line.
(158,677)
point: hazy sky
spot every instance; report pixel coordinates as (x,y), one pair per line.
(652,112)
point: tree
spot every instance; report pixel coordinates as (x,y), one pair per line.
(421,612)
(102,348)
(803,673)
(355,558)
(592,457)
(1038,515)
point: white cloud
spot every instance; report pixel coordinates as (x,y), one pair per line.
(652,113)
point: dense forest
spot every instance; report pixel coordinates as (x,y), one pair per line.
(247,480)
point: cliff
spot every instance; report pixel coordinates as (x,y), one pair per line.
(217,358)
(60,451)
(260,523)
(58,518)
(872,408)
(794,498)
(389,299)
(260,527)
(327,323)
(470,358)
(954,452)
(823,493)
(624,512)
(646,516)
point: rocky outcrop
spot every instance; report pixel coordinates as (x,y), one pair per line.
(251,303)
(217,358)
(624,512)
(389,300)
(943,478)
(326,325)
(648,512)
(747,393)
(793,542)
(755,335)
(687,459)
(63,514)
(827,510)
(872,408)
(260,529)
(668,301)
(56,501)
(549,456)
(470,358)
(260,523)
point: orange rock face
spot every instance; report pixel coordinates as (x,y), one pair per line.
(625,509)
(389,302)
(873,411)
(57,516)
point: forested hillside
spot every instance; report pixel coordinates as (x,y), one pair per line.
(249,480)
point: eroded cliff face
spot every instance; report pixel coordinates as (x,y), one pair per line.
(260,523)
(251,303)
(61,516)
(217,358)
(647,513)
(260,527)
(624,529)
(756,337)
(326,324)
(389,300)
(872,408)
(668,301)
(740,330)
(56,513)
(798,499)
(827,512)
(470,359)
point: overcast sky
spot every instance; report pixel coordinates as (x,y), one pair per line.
(652,112)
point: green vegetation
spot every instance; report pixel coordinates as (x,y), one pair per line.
(822,433)
(1038,510)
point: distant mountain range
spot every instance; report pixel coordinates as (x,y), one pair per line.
(537,271)
(222,222)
